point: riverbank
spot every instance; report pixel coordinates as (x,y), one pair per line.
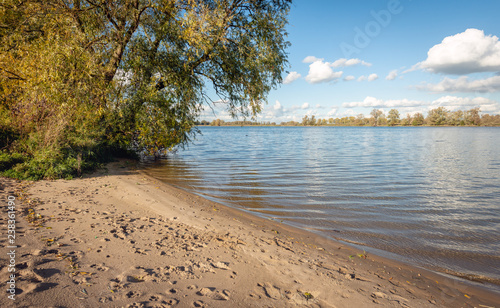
(119,238)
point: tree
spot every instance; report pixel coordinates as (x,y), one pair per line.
(305,120)
(406,121)
(472,116)
(81,75)
(376,115)
(217,122)
(456,118)
(489,120)
(360,119)
(437,116)
(418,119)
(393,117)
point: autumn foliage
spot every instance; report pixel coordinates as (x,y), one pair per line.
(81,80)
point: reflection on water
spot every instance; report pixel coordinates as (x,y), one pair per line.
(428,194)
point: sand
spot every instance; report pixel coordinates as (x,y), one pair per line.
(119,238)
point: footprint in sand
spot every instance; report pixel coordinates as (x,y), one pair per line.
(199,304)
(106,299)
(163,304)
(133,294)
(47,272)
(155,298)
(171,302)
(100,267)
(214,294)
(270,291)
(44,286)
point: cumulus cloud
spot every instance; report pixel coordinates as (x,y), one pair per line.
(320,71)
(304,106)
(455,103)
(346,113)
(392,75)
(370,101)
(274,112)
(311,59)
(277,110)
(371,77)
(332,112)
(291,77)
(349,62)
(349,78)
(464,84)
(449,102)
(464,53)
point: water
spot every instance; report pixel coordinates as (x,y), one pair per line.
(430,196)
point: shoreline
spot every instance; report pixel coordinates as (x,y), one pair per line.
(485,283)
(131,240)
(482,282)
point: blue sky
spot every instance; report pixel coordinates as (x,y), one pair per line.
(348,57)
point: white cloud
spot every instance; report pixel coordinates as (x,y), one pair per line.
(455,103)
(277,110)
(392,75)
(449,102)
(346,113)
(320,71)
(311,59)
(464,53)
(291,77)
(463,84)
(332,112)
(304,106)
(370,101)
(349,62)
(372,77)
(349,78)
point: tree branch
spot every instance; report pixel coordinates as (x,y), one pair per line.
(16,76)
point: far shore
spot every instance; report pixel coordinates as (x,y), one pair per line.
(120,238)
(328,125)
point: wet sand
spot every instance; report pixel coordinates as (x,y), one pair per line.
(119,238)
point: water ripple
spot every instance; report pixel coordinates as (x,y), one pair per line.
(430,195)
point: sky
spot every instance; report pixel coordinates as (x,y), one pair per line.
(349,57)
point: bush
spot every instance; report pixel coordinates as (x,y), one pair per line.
(8,160)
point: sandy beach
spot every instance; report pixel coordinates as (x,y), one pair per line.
(119,238)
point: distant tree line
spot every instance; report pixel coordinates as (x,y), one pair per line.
(219,122)
(436,117)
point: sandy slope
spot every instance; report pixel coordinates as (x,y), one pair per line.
(119,238)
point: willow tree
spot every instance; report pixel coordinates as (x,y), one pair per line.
(82,75)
